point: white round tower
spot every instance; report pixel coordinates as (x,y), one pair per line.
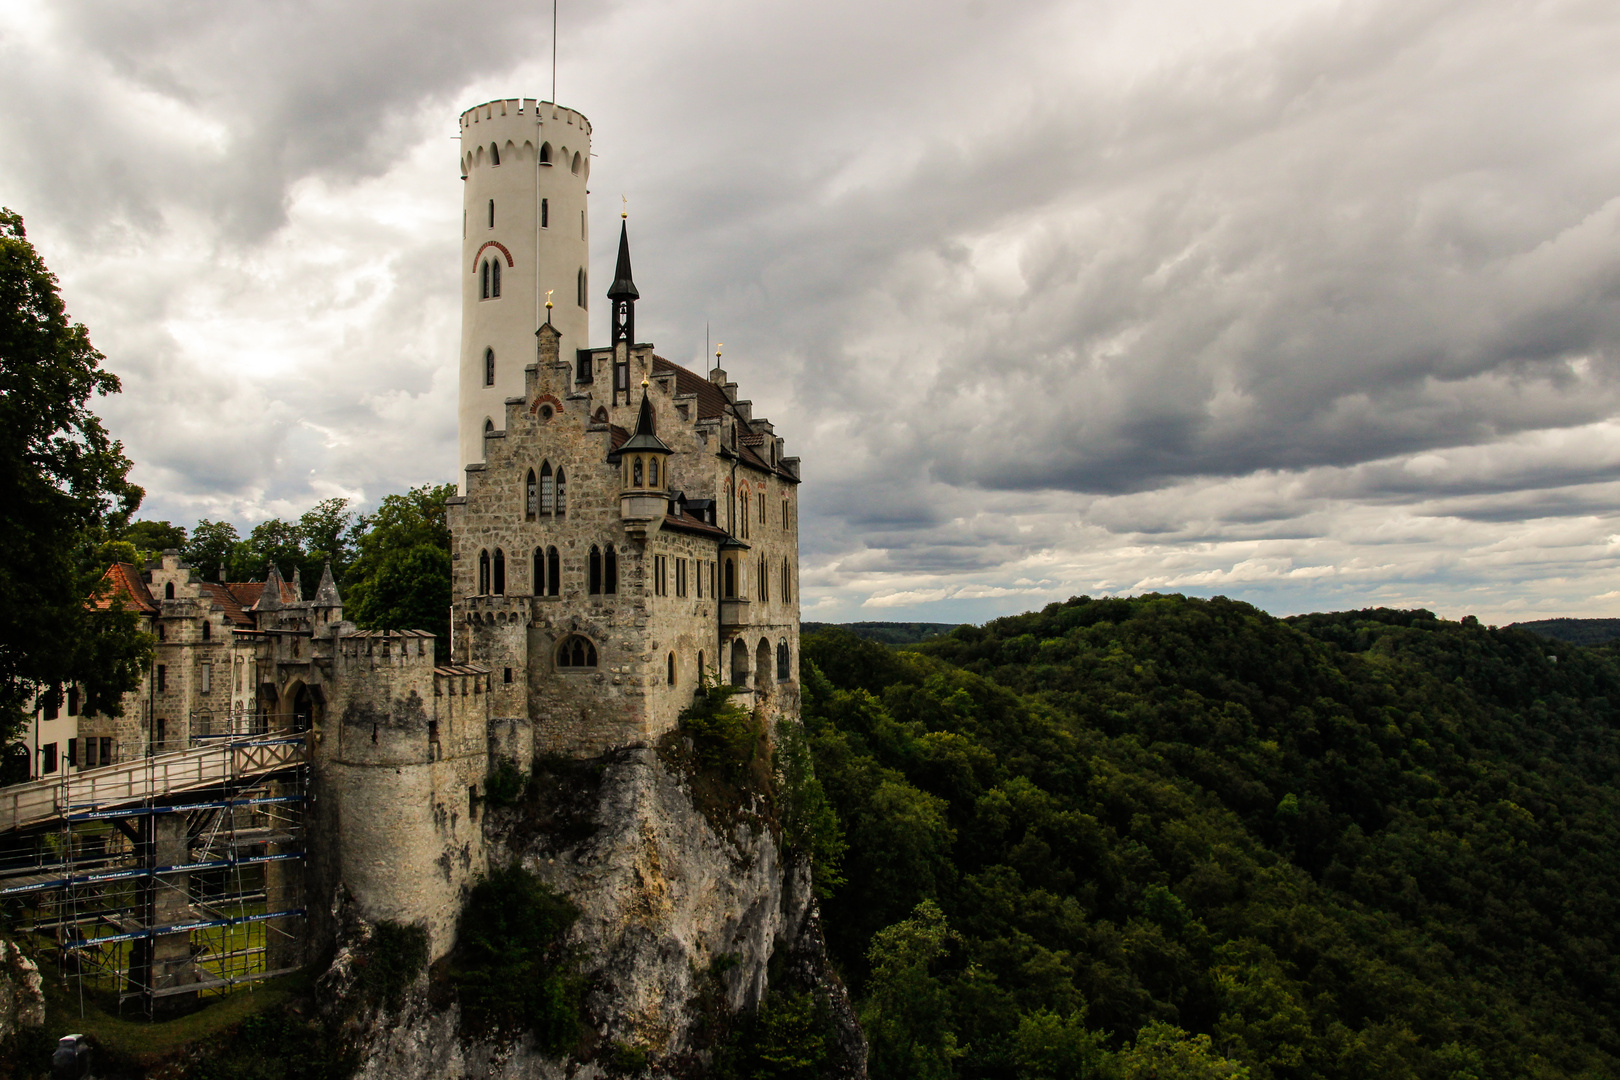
(524,231)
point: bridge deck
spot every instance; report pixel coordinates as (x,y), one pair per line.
(214,763)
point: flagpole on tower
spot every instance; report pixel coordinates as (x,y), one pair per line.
(554,52)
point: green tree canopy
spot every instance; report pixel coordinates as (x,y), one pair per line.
(400,579)
(64,490)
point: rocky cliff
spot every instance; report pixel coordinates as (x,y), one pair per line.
(688,911)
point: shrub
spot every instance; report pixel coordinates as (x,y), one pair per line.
(510,967)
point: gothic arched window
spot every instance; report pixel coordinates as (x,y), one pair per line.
(531,497)
(594,571)
(610,571)
(494,159)
(784,662)
(539,578)
(562,493)
(576,652)
(489,426)
(547,490)
(495,278)
(742,518)
(483,274)
(553,571)
(635,473)
(483,573)
(489,367)
(787,580)
(652,472)
(575,165)
(545,153)
(764,579)
(500,573)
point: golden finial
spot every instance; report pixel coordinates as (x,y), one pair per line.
(717,347)
(624,211)
(548,298)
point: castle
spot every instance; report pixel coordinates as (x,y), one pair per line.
(626,529)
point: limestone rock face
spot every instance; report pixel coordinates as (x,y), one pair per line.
(679,922)
(22,998)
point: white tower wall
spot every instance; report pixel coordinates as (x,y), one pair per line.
(533,258)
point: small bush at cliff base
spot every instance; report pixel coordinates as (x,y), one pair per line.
(510,967)
(505,784)
(389,963)
(787,1039)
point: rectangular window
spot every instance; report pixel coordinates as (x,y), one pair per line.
(545,213)
(697,568)
(680,577)
(762,508)
(784,513)
(48,763)
(160,735)
(106,757)
(714,578)
(508,674)
(208,678)
(73,701)
(73,751)
(163,678)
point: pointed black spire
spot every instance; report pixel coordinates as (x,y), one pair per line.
(645,439)
(623,287)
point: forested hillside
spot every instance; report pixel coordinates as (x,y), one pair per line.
(1175,837)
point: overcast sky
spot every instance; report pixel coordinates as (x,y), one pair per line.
(1312,304)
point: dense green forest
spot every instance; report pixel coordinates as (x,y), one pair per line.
(890,633)
(1173,837)
(1574,631)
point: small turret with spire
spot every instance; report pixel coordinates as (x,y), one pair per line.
(644,461)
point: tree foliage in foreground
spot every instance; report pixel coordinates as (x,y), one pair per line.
(1176,837)
(63,488)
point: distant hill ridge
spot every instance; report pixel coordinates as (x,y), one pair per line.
(889,633)
(1574,631)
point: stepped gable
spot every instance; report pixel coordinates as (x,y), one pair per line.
(712,404)
(126,582)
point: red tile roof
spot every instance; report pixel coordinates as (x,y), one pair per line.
(712,400)
(691,523)
(228,601)
(125,581)
(247,593)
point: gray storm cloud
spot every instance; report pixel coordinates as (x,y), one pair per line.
(1316,305)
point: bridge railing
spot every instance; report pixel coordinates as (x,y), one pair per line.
(147,778)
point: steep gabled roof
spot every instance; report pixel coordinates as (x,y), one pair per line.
(233,607)
(126,587)
(711,400)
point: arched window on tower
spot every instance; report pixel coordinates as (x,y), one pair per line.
(610,571)
(784,662)
(538,579)
(489,426)
(575,165)
(489,367)
(500,573)
(562,493)
(742,518)
(531,497)
(593,579)
(670,672)
(635,473)
(582,288)
(483,573)
(553,571)
(483,282)
(168,591)
(652,472)
(494,158)
(545,153)
(545,213)
(547,492)
(495,279)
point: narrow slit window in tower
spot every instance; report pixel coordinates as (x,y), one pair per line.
(671,669)
(553,571)
(483,573)
(483,284)
(489,367)
(494,158)
(492,213)
(581,287)
(495,279)
(610,571)
(545,213)
(575,166)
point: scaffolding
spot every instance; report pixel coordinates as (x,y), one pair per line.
(165,879)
